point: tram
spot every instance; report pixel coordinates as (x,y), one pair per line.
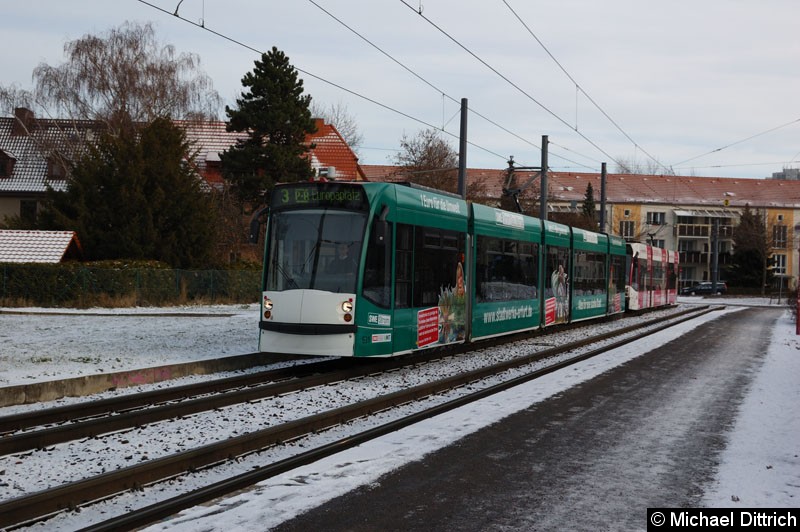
(385,269)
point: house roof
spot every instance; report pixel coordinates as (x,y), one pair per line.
(38,246)
(31,141)
(328,149)
(635,188)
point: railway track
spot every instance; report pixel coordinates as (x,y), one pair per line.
(73,494)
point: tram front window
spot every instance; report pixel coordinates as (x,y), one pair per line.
(315,249)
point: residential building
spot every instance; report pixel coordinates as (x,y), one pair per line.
(675,212)
(35,154)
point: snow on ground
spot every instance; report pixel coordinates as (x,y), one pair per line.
(760,466)
(759,474)
(49,344)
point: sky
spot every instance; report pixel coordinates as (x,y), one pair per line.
(705,88)
(759,463)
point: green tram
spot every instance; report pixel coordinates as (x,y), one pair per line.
(382,269)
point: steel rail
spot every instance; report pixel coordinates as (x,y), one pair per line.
(74,494)
(164,509)
(248,389)
(86,409)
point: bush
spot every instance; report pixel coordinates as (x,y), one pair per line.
(123,284)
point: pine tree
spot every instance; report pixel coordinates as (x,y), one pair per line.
(276,117)
(132,196)
(751,249)
(589,210)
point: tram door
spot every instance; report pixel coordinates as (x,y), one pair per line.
(376,315)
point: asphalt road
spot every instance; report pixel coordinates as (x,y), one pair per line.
(646,434)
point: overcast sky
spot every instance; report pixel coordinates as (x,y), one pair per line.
(686,82)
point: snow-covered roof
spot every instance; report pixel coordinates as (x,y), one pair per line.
(48,247)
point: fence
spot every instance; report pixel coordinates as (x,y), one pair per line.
(78,286)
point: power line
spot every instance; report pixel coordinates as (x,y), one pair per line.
(741,141)
(507,80)
(737,165)
(579,88)
(431,85)
(319,78)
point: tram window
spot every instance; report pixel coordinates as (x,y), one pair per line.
(304,245)
(435,264)
(672,277)
(378,269)
(557,280)
(403,266)
(556,271)
(617,274)
(590,274)
(503,272)
(643,281)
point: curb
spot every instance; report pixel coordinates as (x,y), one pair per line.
(91,384)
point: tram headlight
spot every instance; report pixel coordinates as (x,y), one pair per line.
(347,308)
(267,308)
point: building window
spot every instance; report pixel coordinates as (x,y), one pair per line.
(27,211)
(56,169)
(627,213)
(779,264)
(658,243)
(6,165)
(779,233)
(626,229)
(656,218)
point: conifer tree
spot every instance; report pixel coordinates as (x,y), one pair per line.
(589,210)
(750,253)
(275,115)
(132,196)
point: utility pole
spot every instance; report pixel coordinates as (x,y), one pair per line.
(714,255)
(462,152)
(603,197)
(543,197)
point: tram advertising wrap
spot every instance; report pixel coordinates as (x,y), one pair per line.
(382,269)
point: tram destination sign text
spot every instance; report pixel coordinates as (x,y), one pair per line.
(314,195)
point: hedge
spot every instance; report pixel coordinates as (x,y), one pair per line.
(122,284)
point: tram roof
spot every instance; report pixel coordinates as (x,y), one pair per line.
(695,193)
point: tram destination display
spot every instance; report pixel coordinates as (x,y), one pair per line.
(316,195)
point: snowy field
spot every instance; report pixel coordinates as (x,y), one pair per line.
(759,468)
(49,344)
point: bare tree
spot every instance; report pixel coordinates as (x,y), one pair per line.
(125,74)
(428,160)
(649,167)
(344,122)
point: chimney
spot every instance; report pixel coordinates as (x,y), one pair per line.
(23,122)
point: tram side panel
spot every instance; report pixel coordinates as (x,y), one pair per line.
(505,284)
(430,275)
(589,284)
(616,274)
(673,270)
(636,287)
(557,265)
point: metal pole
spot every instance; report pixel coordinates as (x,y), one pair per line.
(714,255)
(462,152)
(543,195)
(603,198)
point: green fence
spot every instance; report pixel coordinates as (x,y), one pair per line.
(78,286)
